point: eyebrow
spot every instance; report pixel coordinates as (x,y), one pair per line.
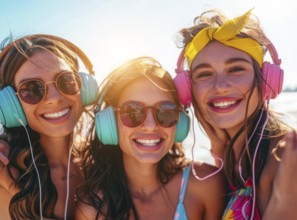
(229,61)
(237,59)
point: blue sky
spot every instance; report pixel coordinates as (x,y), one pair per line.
(113,31)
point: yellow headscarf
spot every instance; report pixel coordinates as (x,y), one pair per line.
(226,34)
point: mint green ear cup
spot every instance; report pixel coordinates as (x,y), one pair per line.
(11,111)
(182,127)
(88,89)
(106,126)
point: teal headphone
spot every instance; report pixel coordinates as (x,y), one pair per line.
(11,111)
(107,129)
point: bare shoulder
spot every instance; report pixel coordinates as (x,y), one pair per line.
(283,198)
(288,146)
(289,139)
(207,190)
(205,174)
(206,181)
(5,198)
(282,144)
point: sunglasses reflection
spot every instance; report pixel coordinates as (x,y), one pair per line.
(134,113)
(33,91)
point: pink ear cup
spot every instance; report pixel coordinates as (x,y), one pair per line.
(183,85)
(273,76)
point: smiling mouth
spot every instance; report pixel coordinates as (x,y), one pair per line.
(225,104)
(149,142)
(56,115)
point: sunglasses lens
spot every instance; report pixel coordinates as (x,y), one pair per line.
(167,114)
(31,92)
(68,83)
(132,114)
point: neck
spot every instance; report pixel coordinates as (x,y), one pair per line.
(238,145)
(56,149)
(142,178)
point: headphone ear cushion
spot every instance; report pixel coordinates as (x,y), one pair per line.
(183,86)
(106,126)
(11,111)
(273,76)
(182,127)
(88,89)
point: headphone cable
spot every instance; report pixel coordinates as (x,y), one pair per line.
(68,180)
(36,169)
(192,154)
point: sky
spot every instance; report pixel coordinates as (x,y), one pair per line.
(111,32)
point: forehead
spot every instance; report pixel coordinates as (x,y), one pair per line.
(215,51)
(146,91)
(43,65)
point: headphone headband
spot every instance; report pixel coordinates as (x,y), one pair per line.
(180,61)
(88,64)
(273,53)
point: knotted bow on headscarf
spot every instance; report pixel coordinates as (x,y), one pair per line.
(226,34)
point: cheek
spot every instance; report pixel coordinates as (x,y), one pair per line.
(199,93)
(254,101)
(28,109)
(170,140)
(171,133)
(246,84)
(30,114)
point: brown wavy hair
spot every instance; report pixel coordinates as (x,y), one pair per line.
(103,164)
(275,126)
(25,203)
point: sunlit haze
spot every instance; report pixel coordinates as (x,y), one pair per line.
(113,31)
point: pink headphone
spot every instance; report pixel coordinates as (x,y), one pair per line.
(273,77)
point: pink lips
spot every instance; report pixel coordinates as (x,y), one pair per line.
(224,105)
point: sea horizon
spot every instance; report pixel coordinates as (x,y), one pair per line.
(285,103)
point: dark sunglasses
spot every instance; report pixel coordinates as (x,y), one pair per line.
(134,113)
(33,91)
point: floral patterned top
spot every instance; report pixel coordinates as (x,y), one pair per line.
(239,206)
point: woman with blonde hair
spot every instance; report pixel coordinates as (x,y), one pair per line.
(136,168)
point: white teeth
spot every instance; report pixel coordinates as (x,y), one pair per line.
(150,142)
(223,104)
(57,114)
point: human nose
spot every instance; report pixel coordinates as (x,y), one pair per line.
(150,122)
(52,92)
(221,82)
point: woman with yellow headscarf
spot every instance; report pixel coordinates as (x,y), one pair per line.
(230,86)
